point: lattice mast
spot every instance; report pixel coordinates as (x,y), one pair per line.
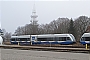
(34,17)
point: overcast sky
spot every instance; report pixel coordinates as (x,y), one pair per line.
(17,13)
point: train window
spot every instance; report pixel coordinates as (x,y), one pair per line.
(50,39)
(68,38)
(62,38)
(24,39)
(87,38)
(17,39)
(13,39)
(28,39)
(45,39)
(56,39)
(41,39)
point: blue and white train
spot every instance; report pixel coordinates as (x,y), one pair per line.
(85,39)
(22,39)
(44,39)
(53,39)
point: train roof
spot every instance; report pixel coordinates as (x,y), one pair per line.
(24,36)
(14,36)
(86,35)
(21,36)
(54,35)
(42,35)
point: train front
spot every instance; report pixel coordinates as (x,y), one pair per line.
(85,39)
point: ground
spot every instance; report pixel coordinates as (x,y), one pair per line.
(13,54)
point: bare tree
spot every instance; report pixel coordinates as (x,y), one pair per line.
(61,25)
(7,36)
(81,24)
(71,27)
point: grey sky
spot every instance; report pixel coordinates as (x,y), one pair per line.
(17,13)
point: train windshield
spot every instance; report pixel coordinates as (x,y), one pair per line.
(72,37)
(85,38)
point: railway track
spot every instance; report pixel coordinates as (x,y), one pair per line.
(58,49)
(64,46)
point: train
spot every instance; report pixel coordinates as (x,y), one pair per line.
(22,39)
(1,39)
(85,39)
(43,39)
